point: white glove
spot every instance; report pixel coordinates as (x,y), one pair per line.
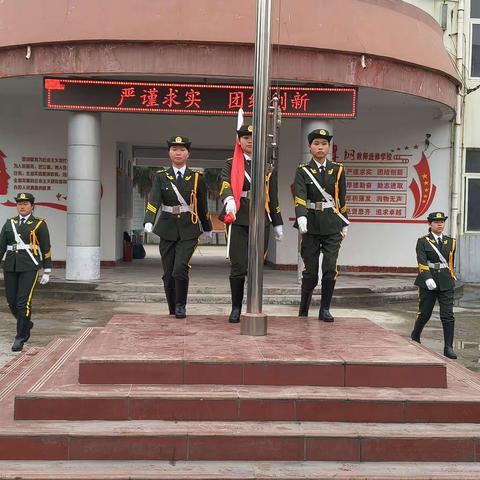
(278,230)
(430,283)
(208,236)
(302,224)
(345,231)
(44,279)
(148,227)
(230,206)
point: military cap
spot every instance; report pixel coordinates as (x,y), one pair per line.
(432,216)
(24,197)
(245,130)
(319,133)
(178,141)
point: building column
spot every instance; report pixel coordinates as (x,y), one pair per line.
(307,126)
(83,214)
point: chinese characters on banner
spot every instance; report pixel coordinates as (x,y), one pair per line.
(200,99)
(377,184)
(48,174)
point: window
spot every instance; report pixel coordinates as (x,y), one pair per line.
(475,38)
(472,190)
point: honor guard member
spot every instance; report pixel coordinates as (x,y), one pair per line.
(322,220)
(436,280)
(181,195)
(26,241)
(238,252)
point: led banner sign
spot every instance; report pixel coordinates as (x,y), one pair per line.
(195,99)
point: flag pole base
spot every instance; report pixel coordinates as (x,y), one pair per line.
(254,324)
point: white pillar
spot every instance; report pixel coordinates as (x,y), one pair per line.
(83,214)
(307,126)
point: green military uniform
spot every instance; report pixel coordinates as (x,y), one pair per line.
(21,266)
(178,227)
(324,225)
(432,266)
(238,252)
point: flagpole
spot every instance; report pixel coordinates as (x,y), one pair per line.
(254,322)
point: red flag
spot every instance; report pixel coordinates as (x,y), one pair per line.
(237,174)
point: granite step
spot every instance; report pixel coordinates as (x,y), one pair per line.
(249,441)
(460,403)
(195,470)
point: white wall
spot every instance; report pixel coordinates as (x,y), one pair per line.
(384,121)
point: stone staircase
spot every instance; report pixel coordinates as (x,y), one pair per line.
(152,397)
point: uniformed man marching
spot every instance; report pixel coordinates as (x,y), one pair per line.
(181,194)
(436,280)
(321,212)
(238,251)
(26,240)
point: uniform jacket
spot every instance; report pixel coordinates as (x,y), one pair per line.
(34,232)
(325,222)
(272,207)
(186,225)
(445,277)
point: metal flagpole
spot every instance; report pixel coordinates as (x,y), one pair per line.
(254,322)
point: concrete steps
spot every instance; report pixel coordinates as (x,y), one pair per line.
(252,441)
(194,470)
(216,404)
(250,403)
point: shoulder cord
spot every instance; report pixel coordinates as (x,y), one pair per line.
(193,200)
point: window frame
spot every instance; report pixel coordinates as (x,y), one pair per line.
(473,21)
(467,178)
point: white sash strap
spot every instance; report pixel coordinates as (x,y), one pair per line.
(179,196)
(437,251)
(21,244)
(248,177)
(325,194)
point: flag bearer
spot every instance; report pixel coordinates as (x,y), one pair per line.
(181,196)
(236,213)
(436,280)
(26,240)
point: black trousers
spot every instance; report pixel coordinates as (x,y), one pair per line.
(427,299)
(239,249)
(19,287)
(310,250)
(176,255)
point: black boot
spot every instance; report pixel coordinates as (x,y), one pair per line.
(448,329)
(236,287)
(23,333)
(30,326)
(328,286)
(169,287)
(308,286)
(417,331)
(181,291)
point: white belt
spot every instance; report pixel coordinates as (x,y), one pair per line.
(438,265)
(17,246)
(176,209)
(319,205)
(245,194)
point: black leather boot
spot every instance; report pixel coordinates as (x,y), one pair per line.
(236,288)
(306,296)
(328,286)
(417,331)
(169,287)
(181,291)
(448,330)
(23,333)
(29,329)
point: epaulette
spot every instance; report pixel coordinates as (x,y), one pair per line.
(194,170)
(161,170)
(302,165)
